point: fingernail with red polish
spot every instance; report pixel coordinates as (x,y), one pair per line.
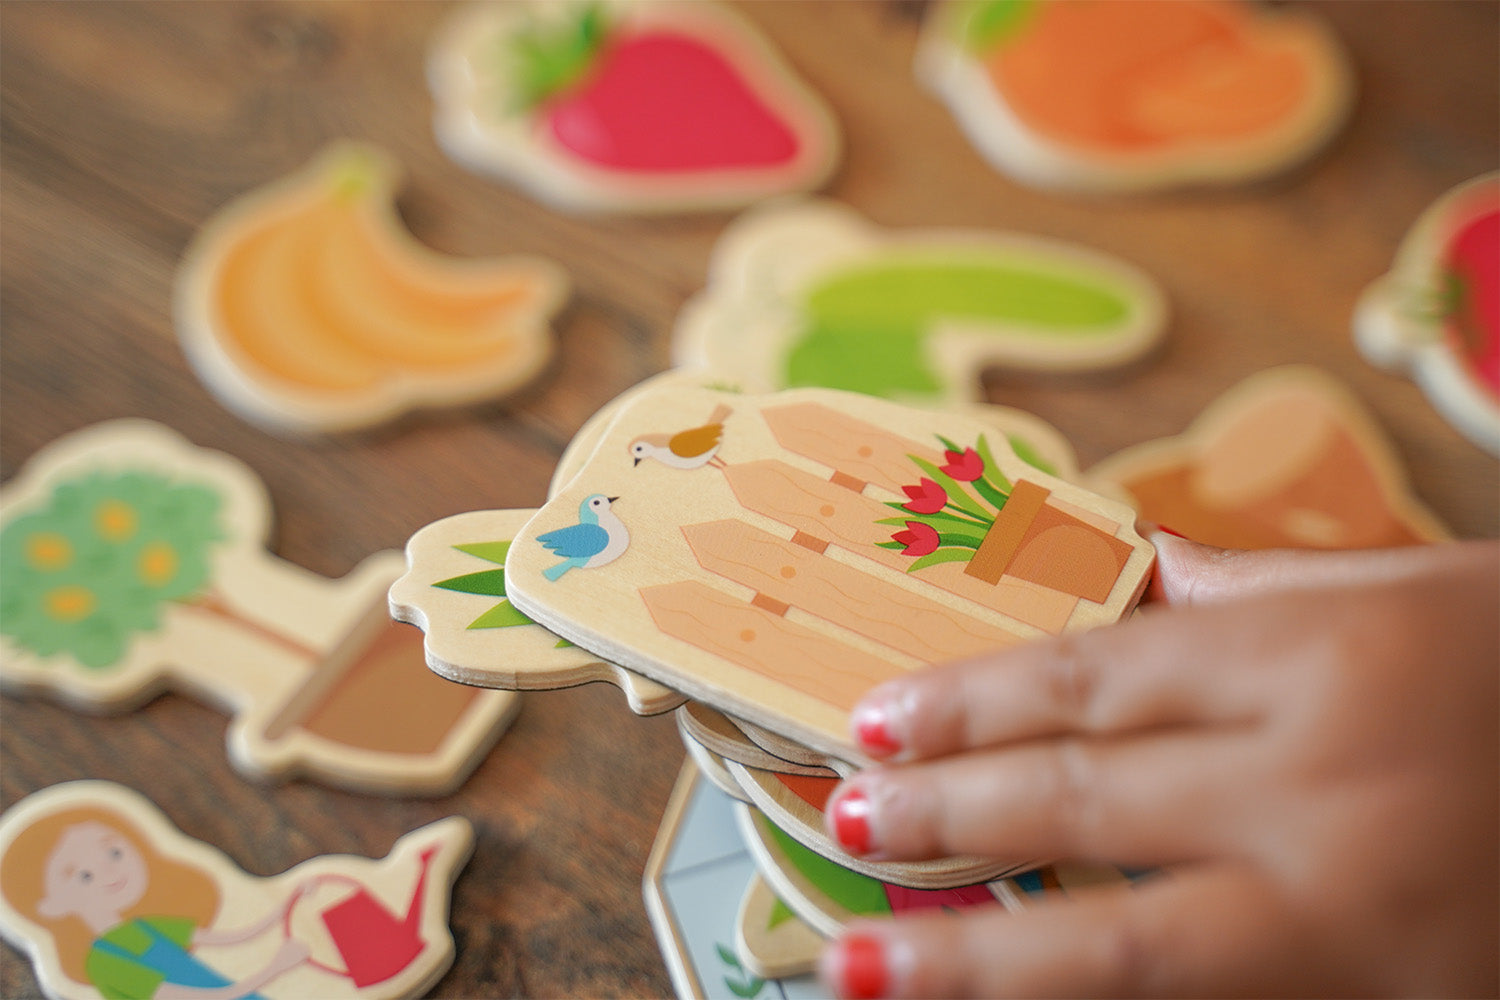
(861,968)
(851,821)
(872,730)
(1173,532)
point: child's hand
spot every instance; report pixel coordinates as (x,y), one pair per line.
(1310,740)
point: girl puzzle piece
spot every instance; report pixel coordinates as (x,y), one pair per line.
(808,293)
(776,556)
(627,107)
(454,591)
(134,562)
(1437,312)
(306,305)
(108,899)
(1289,458)
(1132,95)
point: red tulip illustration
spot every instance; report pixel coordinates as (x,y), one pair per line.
(965,466)
(918,538)
(927,497)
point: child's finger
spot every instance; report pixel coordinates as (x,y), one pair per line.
(1148,800)
(1183,934)
(1169,669)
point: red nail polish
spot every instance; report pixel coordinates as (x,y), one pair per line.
(872,728)
(1173,532)
(851,821)
(864,972)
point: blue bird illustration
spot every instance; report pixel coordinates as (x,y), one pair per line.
(597,539)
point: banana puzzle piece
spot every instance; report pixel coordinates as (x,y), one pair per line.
(306,306)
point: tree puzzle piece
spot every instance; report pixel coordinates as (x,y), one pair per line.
(1134,95)
(307,306)
(454,591)
(1436,313)
(107,898)
(1289,458)
(134,562)
(808,293)
(844,541)
(634,107)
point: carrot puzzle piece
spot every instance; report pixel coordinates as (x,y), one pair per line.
(1437,312)
(107,897)
(1289,458)
(454,591)
(627,107)
(811,294)
(844,540)
(134,562)
(1129,95)
(307,306)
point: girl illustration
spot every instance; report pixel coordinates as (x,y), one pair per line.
(109,899)
(124,916)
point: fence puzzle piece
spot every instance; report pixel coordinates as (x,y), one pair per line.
(1133,95)
(134,562)
(634,106)
(306,305)
(845,540)
(106,897)
(1437,312)
(809,293)
(454,591)
(1288,458)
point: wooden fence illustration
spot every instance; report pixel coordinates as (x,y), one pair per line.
(1040,557)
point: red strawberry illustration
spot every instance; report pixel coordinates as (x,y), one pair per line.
(648,99)
(1472,267)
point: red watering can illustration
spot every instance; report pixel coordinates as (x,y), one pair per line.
(374,943)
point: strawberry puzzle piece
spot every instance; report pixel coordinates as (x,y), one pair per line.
(632,107)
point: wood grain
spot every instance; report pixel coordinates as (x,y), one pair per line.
(123,126)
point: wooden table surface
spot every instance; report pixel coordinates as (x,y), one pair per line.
(126,125)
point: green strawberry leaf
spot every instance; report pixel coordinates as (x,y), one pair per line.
(551,58)
(494,552)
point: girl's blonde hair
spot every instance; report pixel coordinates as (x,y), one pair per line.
(174,888)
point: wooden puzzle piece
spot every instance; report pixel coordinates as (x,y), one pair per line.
(1289,458)
(1134,95)
(701,726)
(627,107)
(1437,312)
(843,541)
(771,940)
(809,293)
(826,895)
(134,562)
(1062,880)
(795,803)
(454,591)
(695,880)
(107,898)
(306,305)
